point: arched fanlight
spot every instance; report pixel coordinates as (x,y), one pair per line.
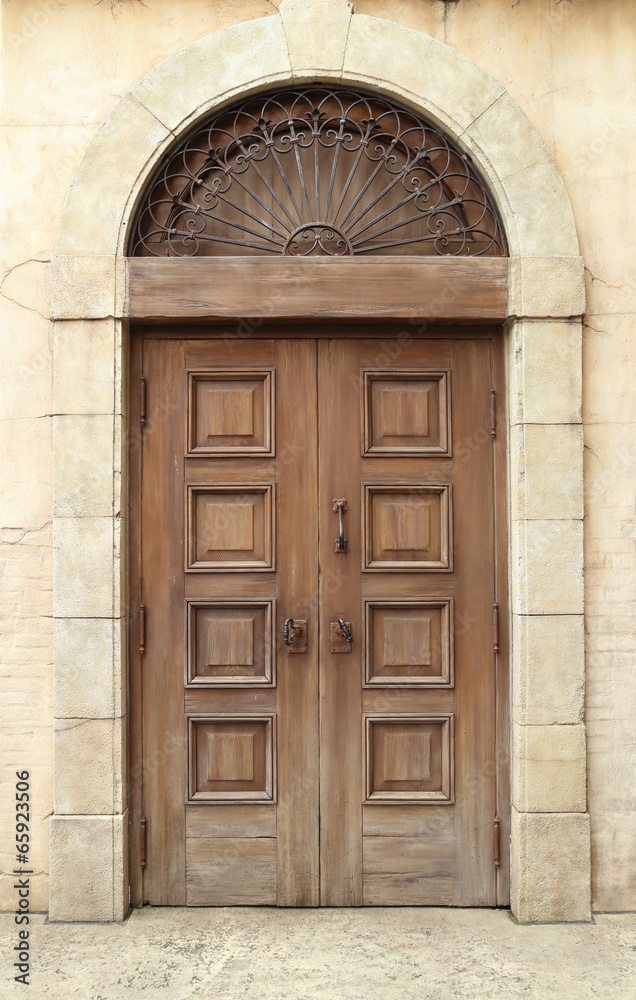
(316,171)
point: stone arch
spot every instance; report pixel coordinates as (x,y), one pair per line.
(322,40)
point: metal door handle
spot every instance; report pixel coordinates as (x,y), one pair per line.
(341,636)
(295,635)
(345,630)
(287,628)
(339,507)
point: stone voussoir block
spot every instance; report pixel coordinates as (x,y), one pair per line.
(454,90)
(316,33)
(215,68)
(129,138)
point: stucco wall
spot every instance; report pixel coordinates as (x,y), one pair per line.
(570,66)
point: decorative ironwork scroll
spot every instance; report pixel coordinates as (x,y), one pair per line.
(317,171)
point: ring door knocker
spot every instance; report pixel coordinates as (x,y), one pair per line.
(341,636)
(295,635)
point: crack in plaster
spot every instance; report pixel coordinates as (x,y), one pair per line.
(616,288)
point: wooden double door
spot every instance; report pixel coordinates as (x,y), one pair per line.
(314,690)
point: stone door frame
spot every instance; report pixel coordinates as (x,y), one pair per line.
(319,40)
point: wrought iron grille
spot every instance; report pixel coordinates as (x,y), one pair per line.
(317,171)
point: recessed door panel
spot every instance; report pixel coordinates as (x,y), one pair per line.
(231,758)
(231,643)
(406,413)
(407,528)
(409,643)
(231,413)
(230,528)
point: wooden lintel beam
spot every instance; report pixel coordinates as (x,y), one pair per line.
(435,288)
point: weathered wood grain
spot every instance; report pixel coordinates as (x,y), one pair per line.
(346,287)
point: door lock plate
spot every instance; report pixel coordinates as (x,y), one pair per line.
(339,641)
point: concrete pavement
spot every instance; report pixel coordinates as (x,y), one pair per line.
(330,954)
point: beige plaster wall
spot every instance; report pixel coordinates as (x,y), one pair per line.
(570,66)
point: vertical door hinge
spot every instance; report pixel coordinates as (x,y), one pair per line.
(495,627)
(142,842)
(142,402)
(496,844)
(493,414)
(142,629)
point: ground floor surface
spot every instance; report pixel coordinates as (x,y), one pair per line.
(326,954)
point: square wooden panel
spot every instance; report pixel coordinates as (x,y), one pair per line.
(231,758)
(407,528)
(230,528)
(410,758)
(406,413)
(230,413)
(408,643)
(230,644)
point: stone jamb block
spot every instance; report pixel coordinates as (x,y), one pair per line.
(545,372)
(85,354)
(549,768)
(86,460)
(119,463)
(546,287)
(88,878)
(83,567)
(120,574)
(122,354)
(82,286)
(548,459)
(550,867)
(86,747)
(548,669)
(547,567)
(85,685)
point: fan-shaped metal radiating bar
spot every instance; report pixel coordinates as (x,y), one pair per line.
(316,171)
